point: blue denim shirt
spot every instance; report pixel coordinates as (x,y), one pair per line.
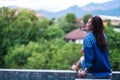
(96,61)
(83,64)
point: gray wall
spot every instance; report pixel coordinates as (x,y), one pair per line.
(20,74)
(24,74)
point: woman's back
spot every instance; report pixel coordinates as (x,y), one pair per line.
(95,57)
(95,50)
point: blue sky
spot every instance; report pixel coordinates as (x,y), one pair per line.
(49,5)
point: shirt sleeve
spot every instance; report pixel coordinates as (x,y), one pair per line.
(88,52)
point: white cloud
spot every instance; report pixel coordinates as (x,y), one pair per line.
(50,5)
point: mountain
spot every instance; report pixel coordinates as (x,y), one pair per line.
(12,7)
(103,6)
(111,8)
(74,9)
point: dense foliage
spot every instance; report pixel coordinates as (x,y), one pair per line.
(68,22)
(33,42)
(86,17)
(114,47)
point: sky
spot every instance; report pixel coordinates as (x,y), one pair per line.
(48,5)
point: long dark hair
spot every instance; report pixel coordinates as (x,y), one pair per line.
(98,31)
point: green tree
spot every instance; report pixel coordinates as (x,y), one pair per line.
(2,24)
(70,18)
(109,23)
(114,47)
(115,59)
(86,17)
(7,16)
(54,54)
(17,56)
(52,21)
(53,32)
(67,23)
(26,56)
(38,58)
(19,26)
(113,38)
(67,56)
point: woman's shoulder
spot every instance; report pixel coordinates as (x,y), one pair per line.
(88,35)
(89,38)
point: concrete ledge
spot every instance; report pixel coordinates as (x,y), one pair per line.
(92,79)
(35,70)
(116,75)
(28,74)
(24,74)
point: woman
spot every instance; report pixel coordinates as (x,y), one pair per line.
(96,51)
(80,62)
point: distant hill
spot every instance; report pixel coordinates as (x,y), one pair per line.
(12,7)
(111,8)
(103,6)
(74,9)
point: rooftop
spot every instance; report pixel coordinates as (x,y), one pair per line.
(76,34)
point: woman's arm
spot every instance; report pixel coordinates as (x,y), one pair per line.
(82,73)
